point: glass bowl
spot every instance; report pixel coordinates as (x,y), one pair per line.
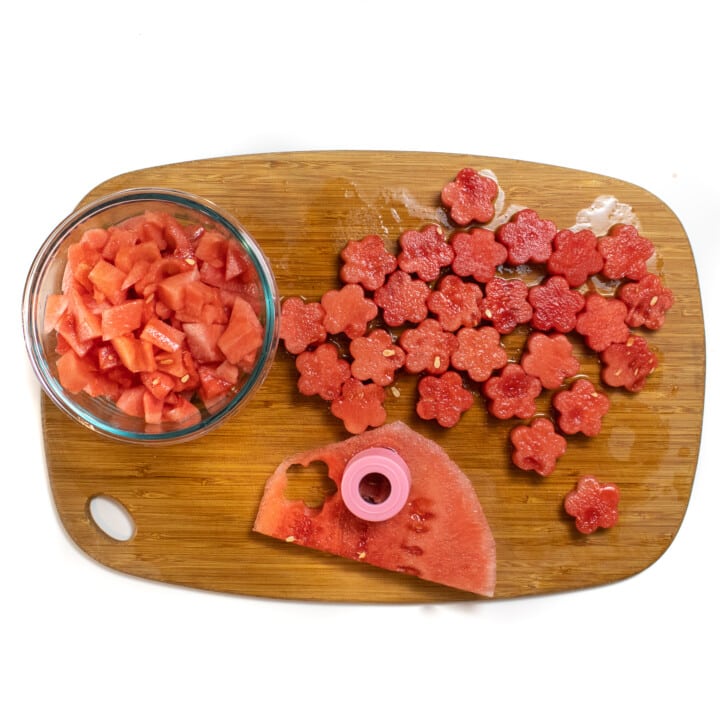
(128,379)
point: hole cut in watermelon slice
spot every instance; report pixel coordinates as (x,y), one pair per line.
(311,485)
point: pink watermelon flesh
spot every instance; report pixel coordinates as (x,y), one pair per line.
(441,534)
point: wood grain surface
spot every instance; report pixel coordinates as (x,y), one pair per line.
(194,504)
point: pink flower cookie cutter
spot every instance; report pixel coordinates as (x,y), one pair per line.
(372,462)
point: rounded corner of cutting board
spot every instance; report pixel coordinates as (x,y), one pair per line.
(196,503)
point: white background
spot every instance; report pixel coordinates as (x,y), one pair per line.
(90,90)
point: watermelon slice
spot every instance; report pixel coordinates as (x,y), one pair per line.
(441,535)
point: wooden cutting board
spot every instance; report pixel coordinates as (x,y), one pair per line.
(194,504)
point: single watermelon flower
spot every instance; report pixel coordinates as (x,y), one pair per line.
(575,256)
(512,393)
(456,303)
(424,252)
(537,446)
(428,347)
(367,262)
(550,359)
(347,311)
(527,237)
(602,322)
(628,364)
(322,372)
(301,324)
(470,197)
(625,253)
(647,302)
(359,406)
(581,408)
(555,305)
(505,304)
(443,398)
(477,254)
(593,504)
(402,299)
(376,357)
(479,352)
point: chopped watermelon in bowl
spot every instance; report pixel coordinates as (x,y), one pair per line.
(150,316)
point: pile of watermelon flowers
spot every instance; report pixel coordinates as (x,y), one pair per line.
(439,307)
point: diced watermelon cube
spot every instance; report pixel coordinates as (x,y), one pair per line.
(87,322)
(236,262)
(55,307)
(66,331)
(129,255)
(183,413)
(171,290)
(95,238)
(202,340)
(130,401)
(212,248)
(74,371)
(152,408)
(122,319)
(108,279)
(243,333)
(162,335)
(171,363)
(136,355)
(158,383)
(212,386)
(81,261)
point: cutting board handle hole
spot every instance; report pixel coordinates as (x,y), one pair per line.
(111,517)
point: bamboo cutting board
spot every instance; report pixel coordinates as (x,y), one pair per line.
(193,505)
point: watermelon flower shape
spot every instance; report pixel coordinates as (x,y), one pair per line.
(602,322)
(625,253)
(537,446)
(628,364)
(581,408)
(550,359)
(477,254)
(428,347)
(322,372)
(470,197)
(402,299)
(505,304)
(359,406)
(575,256)
(512,393)
(301,324)
(527,237)
(593,504)
(424,252)
(443,398)
(479,352)
(555,305)
(347,311)
(376,357)
(367,262)
(456,303)
(647,302)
